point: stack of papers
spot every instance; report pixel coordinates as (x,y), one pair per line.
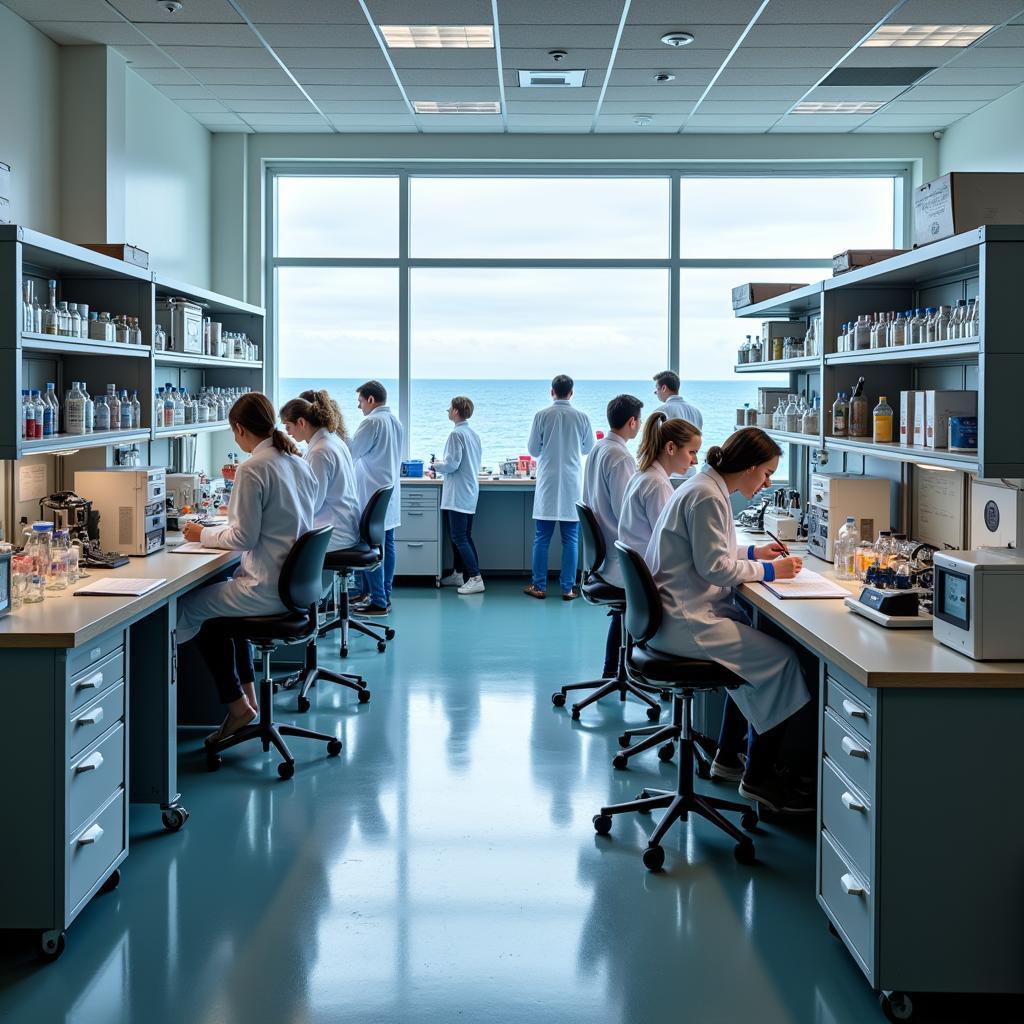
(118,586)
(193,547)
(807,584)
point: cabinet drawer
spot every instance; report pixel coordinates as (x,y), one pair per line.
(421,497)
(849,817)
(417,558)
(89,723)
(851,753)
(82,658)
(418,524)
(94,775)
(851,710)
(848,898)
(95,679)
(95,847)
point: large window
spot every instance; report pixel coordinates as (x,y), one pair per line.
(488,284)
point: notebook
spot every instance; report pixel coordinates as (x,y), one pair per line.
(118,586)
(193,547)
(807,584)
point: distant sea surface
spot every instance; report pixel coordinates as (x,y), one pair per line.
(504,409)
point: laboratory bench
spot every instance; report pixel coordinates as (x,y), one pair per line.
(919,846)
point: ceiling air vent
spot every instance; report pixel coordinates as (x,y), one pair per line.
(551,79)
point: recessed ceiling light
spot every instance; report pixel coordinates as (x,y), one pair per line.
(927,35)
(643,120)
(436,37)
(456,107)
(838,107)
(677,39)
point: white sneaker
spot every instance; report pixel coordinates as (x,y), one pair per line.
(456,579)
(474,585)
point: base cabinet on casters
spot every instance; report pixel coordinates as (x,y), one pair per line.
(919,850)
(65,793)
(418,539)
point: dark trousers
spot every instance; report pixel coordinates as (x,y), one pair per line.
(612,645)
(229,660)
(764,749)
(466,560)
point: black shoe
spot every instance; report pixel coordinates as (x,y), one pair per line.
(776,795)
(375,610)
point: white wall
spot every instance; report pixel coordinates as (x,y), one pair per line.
(29,121)
(992,139)
(167,176)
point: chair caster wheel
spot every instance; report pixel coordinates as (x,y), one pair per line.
(833,931)
(667,752)
(654,714)
(112,882)
(286,769)
(381,646)
(749,820)
(602,824)
(575,714)
(389,633)
(744,853)
(896,1006)
(654,858)
(174,818)
(665,694)
(620,761)
(303,704)
(333,750)
(642,795)
(702,770)
(343,652)
(558,699)
(213,761)
(51,945)
(364,696)
(275,687)
(624,740)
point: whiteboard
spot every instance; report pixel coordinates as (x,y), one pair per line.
(938,508)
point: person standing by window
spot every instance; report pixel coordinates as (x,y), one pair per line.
(559,438)
(673,405)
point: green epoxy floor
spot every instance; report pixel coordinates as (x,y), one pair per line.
(445,868)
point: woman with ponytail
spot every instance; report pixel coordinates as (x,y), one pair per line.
(696,563)
(314,417)
(272,505)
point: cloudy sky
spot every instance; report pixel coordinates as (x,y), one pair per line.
(529,323)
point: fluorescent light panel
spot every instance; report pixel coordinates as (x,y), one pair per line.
(927,35)
(838,107)
(437,37)
(457,107)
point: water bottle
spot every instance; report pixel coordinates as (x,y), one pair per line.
(39,549)
(845,550)
(72,555)
(125,410)
(59,562)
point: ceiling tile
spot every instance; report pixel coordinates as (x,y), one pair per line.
(810,12)
(263,92)
(761,120)
(379,120)
(897,56)
(182,34)
(313,12)
(676,110)
(740,107)
(84,33)
(353,107)
(260,106)
(164,76)
(311,120)
(62,10)
(144,56)
(431,12)
(806,77)
(553,99)
(861,92)
(956,92)
(991,57)
(924,109)
(705,37)
(342,93)
(955,12)
(645,76)
(242,76)
(567,108)
(925,122)
(550,37)
(471,76)
(202,106)
(331,57)
(671,14)
(222,118)
(954,75)
(221,56)
(341,36)
(214,11)
(557,12)
(187,92)
(345,76)
(812,36)
(719,130)
(539,121)
(785,57)
(1011,35)
(664,59)
(661,94)
(471,94)
(751,93)
(430,58)
(834,122)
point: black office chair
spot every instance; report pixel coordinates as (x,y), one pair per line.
(598,592)
(299,587)
(686,676)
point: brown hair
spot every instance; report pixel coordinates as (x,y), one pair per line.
(375,390)
(254,412)
(318,409)
(463,406)
(742,450)
(658,431)
(669,378)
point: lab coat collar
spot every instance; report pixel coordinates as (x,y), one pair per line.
(660,468)
(318,438)
(561,401)
(380,408)
(460,423)
(717,477)
(610,436)
(267,442)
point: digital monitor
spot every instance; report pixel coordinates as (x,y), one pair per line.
(953,597)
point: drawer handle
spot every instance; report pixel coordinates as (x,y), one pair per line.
(851,886)
(854,710)
(90,717)
(91,683)
(854,749)
(410,545)
(91,835)
(417,513)
(90,763)
(851,803)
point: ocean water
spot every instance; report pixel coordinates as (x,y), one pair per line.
(504,409)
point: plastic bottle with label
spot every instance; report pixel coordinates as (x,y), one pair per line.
(882,422)
(840,416)
(845,550)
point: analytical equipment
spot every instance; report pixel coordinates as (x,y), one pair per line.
(834,496)
(131,503)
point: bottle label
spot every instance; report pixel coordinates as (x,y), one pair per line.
(883,429)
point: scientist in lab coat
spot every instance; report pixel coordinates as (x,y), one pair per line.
(559,438)
(376,450)
(696,563)
(314,417)
(272,505)
(610,468)
(673,405)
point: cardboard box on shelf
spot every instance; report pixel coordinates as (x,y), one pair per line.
(783,329)
(919,431)
(748,294)
(121,251)
(854,258)
(963,200)
(907,406)
(938,407)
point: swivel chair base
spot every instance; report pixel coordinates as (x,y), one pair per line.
(345,622)
(311,673)
(704,748)
(684,800)
(267,731)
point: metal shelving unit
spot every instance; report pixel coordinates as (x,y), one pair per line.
(64,443)
(196,361)
(189,428)
(779,365)
(55,345)
(914,454)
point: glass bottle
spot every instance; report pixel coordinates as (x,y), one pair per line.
(27,316)
(168,406)
(114,405)
(125,418)
(74,411)
(28,416)
(109,331)
(974,319)
(40,412)
(90,408)
(74,321)
(873,333)
(101,413)
(859,424)
(51,319)
(917,327)
(38,548)
(810,422)
(83,326)
(72,560)
(179,409)
(845,548)
(928,332)
(840,416)
(862,333)
(882,422)
(136,337)
(942,324)
(58,575)
(122,332)
(160,338)
(136,411)
(63,320)
(203,410)
(792,420)
(883,549)
(51,411)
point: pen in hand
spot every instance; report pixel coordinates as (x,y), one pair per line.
(785,550)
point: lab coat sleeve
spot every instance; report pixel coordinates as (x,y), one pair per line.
(618,480)
(319,465)
(536,442)
(588,439)
(364,440)
(713,556)
(245,516)
(452,458)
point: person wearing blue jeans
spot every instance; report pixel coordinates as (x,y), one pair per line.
(467,561)
(570,533)
(378,581)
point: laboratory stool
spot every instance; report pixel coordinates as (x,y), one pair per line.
(299,587)
(598,592)
(686,676)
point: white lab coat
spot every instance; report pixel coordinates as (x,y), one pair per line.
(337,501)
(646,495)
(560,436)
(376,450)
(610,468)
(272,505)
(696,563)
(460,465)
(677,408)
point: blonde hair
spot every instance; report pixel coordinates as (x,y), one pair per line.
(658,431)
(318,409)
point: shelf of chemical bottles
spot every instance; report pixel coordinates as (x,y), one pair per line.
(780,365)
(789,437)
(799,303)
(55,344)
(65,443)
(919,455)
(929,352)
(187,359)
(190,428)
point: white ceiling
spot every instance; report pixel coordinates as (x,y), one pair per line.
(317,65)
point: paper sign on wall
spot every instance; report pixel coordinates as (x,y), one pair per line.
(32,482)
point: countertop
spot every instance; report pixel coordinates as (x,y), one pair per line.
(486,482)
